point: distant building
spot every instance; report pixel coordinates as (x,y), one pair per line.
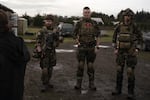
(98,20)
(14,23)
(14,20)
(22,26)
(115,22)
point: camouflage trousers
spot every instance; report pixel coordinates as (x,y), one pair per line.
(48,60)
(124,59)
(87,55)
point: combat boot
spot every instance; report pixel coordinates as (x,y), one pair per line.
(50,85)
(131,85)
(131,97)
(78,84)
(131,93)
(116,92)
(44,88)
(118,89)
(92,85)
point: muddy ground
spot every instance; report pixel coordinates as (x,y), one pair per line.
(64,78)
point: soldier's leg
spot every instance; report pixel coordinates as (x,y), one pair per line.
(44,76)
(90,67)
(120,60)
(80,70)
(50,71)
(131,80)
(53,58)
(119,78)
(131,63)
(52,62)
(91,72)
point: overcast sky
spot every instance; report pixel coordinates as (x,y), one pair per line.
(74,7)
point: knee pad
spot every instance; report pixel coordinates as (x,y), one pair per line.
(81,64)
(90,65)
(130,72)
(119,69)
(45,71)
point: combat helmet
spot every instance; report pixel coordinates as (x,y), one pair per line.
(128,12)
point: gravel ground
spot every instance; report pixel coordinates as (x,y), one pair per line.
(64,78)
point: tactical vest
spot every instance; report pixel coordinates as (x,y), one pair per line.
(49,45)
(125,37)
(48,38)
(87,32)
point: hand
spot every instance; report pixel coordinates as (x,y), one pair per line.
(38,48)
(96,49)
(136,52)
(116,51)
(77,42)
(61,39)
(42,55)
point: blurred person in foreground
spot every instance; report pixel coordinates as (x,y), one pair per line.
(14,56)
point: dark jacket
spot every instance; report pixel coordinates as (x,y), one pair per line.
(13,59)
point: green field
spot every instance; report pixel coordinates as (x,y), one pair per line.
(33,29)
(108,38)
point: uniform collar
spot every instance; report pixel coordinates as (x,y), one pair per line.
(87,19)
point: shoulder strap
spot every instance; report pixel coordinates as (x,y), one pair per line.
(80,23)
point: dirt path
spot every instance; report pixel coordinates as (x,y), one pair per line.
(64,78)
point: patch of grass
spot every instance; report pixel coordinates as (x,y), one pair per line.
(108,38)
(144,55)
(30,37)
(68,40)
(33,29)
(30,45)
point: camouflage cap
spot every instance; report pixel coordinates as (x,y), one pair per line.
(128,12)
(3,18)
(49,17)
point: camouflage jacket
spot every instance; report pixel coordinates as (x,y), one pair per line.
(136,35)
(86,30)
(48,38)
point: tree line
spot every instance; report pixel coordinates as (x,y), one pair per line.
(142,18)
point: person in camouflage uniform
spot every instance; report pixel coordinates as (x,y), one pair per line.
(86,36)
(47,40)
(126,41)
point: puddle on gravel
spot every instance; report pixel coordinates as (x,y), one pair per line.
(84,91)
(100,46)
(64,51)
(58,66)
(147,65)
